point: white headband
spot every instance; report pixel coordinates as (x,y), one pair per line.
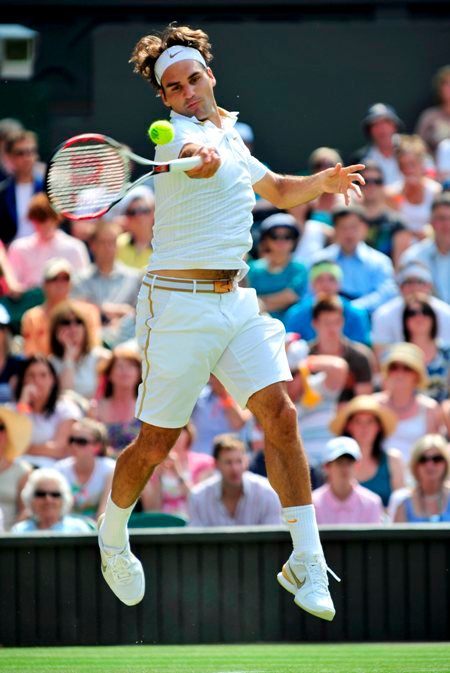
(173,55)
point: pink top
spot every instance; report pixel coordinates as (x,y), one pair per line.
(362,506)
(28,256)
(173,499)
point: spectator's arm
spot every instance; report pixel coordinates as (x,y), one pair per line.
(396,469)
(279,301)
(56,447)
(335,368)
(14,286)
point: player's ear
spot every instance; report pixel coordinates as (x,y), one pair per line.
(211,76)
(163,97)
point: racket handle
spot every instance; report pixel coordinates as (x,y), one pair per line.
(185,164)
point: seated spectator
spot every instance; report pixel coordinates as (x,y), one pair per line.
(341,500)
(321,209)
(57,285)
(367,275)
(47,242)
(47,497)
(234,496)
(317,382)
(368,423)
(404,373)
(413,196)
(8,126)
(387,231)
(278,280)
(109,284)
(88,470)
(21,153)
(169,486)
(72,353)
(434,122)
(420,328)
(116,405)
(387,320)
(380,125)
(428,500)
(435,253)
(328,321)
(325,279)
(216,413)
(134,245)
(10,364)
(52,416)
(443,163)
(15,434)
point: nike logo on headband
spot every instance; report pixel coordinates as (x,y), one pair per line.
(175,54)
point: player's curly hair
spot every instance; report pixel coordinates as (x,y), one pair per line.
(150,47)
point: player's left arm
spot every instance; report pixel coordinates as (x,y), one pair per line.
(286,191)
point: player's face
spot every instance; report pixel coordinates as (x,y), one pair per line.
(188,89)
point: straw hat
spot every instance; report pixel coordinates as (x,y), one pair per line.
(409,355)
(18,431)
(364,404)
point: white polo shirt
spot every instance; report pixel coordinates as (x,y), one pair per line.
(205,223)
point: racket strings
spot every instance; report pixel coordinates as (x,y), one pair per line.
(85,178)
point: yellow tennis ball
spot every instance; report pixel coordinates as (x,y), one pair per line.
(161,132)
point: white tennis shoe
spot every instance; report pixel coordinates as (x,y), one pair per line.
(305,576)
(123,572)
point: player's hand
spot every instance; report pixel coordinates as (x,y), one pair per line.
(210,161)
(343,179)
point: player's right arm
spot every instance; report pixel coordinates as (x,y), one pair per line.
(210,160)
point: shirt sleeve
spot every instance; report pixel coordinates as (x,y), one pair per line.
(271,514)
(185,132)
(195,511)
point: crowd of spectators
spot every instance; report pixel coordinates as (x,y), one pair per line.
(362,289)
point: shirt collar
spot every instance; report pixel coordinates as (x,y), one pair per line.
(230,118)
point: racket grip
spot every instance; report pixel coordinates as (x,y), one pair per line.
(186,164)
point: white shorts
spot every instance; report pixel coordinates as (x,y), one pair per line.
(185,336)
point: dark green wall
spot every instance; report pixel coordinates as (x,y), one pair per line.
(301,73)
(220,586)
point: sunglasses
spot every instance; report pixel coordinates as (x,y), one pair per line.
(374,181)
(80,441)
(58,279)
(2,427)
(431,459)
(417,311)
(398,367)
(25,152)
(281,237)
(44,494)
(131,212)
(66,322)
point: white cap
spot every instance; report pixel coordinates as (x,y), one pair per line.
(416,271)
(173,55)
(341,446)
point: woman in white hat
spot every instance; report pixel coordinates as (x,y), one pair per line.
(403,375)
(15,436)
(369,423)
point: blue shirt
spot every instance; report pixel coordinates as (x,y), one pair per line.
(298,318)
(68,524)
(367,274)
(292,277)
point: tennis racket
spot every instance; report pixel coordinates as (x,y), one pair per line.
(90,172)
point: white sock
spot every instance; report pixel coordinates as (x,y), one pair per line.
(114,532)
(302,525)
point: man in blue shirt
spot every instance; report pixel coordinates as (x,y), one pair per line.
(325,279)
(367,274)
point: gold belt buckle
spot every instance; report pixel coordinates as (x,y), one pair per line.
(223,286)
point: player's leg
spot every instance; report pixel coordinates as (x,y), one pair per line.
(252,368)
(305,573)
(121,569)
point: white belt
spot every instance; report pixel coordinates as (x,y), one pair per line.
(190,284)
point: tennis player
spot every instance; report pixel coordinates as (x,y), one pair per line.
(193,319)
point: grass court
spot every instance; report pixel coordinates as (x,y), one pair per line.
(260,658)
